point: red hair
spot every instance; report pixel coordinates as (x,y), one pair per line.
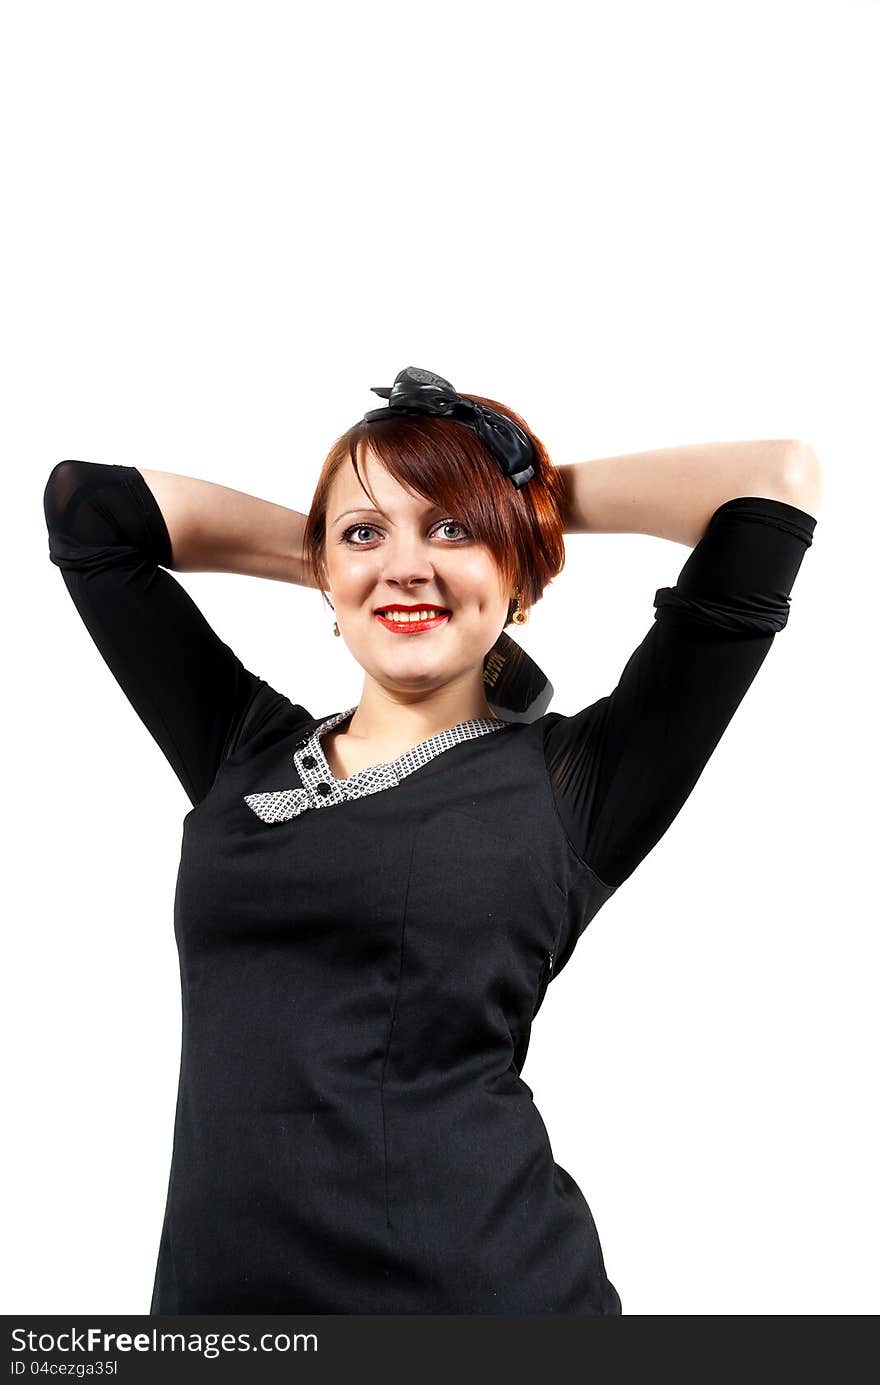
(446,463)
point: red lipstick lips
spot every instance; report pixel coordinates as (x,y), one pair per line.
(412,627)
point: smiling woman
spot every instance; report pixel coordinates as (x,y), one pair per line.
(425,673)
(438,461)
(419,611)
(437,526)
(372,903)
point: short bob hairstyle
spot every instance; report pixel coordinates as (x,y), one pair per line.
(446,463)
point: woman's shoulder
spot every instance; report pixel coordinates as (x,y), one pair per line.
(270,715)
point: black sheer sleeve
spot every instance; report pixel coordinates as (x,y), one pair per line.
(622,768)
(108,536)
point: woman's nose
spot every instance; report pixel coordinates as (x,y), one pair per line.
(405,561)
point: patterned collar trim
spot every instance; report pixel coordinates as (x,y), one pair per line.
(321,787)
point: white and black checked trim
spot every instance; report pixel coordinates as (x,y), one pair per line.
(321,787)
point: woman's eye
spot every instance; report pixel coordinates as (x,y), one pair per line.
(356,529)
(452,524)
(348,538)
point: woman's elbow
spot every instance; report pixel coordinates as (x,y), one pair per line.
(803,477)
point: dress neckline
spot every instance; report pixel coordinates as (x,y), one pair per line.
(410,759)
(319,787)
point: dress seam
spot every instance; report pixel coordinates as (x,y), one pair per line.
(394,1006)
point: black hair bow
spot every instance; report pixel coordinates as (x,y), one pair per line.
(417,391)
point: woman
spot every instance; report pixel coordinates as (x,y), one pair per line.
(371,904)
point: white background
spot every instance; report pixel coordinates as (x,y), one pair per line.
(640,225)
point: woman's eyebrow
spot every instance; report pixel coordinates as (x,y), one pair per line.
(364,510)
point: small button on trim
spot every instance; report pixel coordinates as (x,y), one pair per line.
(309,762)
(322,789)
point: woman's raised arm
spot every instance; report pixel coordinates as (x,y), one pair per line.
(623,766)
(216,529)
(673,492)
(113,538)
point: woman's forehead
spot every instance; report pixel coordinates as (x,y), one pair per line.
(391,497)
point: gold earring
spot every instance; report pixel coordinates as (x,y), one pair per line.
(335,628)
(520,614)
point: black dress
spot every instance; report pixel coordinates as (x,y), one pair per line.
(361,960)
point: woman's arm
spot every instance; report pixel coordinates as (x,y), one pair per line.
(673,492)
(623,766)
(216,529)
(108,536)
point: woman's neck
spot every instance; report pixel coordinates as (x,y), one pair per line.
(384,721)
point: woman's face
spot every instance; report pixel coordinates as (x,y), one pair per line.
(409,553)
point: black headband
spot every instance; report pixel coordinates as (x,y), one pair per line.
(418,391)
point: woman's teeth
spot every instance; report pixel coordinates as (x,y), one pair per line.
(399,617)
